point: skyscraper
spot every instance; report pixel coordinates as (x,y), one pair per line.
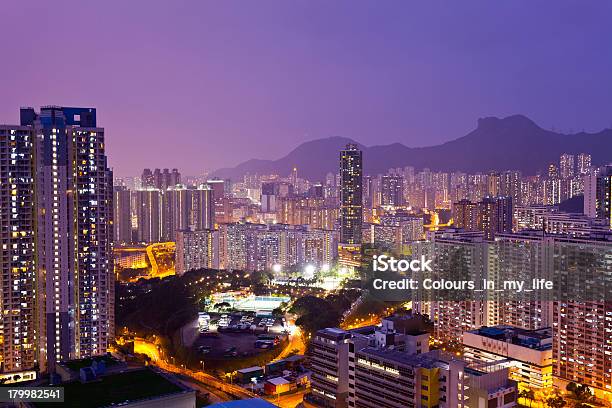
(392,192)
(351,213)
(583,163)
(17,263)
(495,215)
(62,300)
(147,179)
(203,207)
(122,214)
(566,165)
(351,204)
(148,215)
(598,194)
(465,215)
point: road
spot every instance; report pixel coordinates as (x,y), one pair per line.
(220,390)
(155,270)
(152,351)
(295,346)
(369,320)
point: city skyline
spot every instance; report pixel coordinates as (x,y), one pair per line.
(306,204)
(217,86)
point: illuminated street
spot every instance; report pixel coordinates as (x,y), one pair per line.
(152,351)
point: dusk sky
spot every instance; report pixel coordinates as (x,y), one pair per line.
(199,85)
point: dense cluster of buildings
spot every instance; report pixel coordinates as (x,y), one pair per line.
(581,343)
(254,247)
(56,220)
(392,366)
(495,224)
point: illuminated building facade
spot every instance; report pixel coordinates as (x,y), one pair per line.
(351,205)
(351,211)
(566,166)
(148,215)
(598,194)
(17,262)
(329,365)
(65,303)
(583,163)
(74,199)
(160,214)
(258,247)
(526,353)
(582,345)
(495,215)
(391,366)
(392,191)
(196,250)
(465,215)
(122,215)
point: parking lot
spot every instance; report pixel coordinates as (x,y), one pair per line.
(238,335)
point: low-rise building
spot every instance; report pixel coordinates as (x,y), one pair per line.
(526,353)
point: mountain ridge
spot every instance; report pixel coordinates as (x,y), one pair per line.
(496,144)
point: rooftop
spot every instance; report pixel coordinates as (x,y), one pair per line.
(278,381)
(540,339)
(112,390)
(333,333)
(250,369)
(87,362)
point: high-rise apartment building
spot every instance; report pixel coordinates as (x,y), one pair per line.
(351,212)
(566,166)
(465,215)
(161,213)
(582,345)
(259,247)
(147,179)
(351,204)
(598,194)
(495,215)
(583,163)
(577,311)
(160,179)
(67,307)
(196,250)
(492,215)
(269,197)
(330,367)
(122,214)
(202,207)
(392,191)
(148,215)
(18,260)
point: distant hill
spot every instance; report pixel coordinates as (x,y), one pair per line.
(514,142)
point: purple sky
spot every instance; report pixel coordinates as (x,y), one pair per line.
(201,84)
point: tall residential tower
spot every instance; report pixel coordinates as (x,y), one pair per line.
(62,303)
(351,208)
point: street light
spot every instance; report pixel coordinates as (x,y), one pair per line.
(309,271)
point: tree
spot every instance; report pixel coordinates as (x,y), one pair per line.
(580,393)
(555,402)
(527,394)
